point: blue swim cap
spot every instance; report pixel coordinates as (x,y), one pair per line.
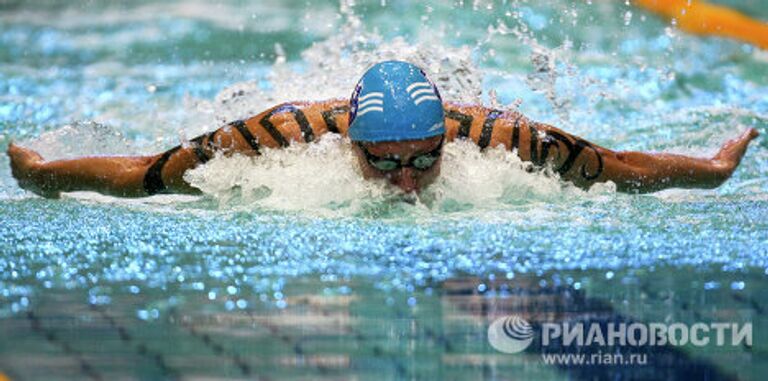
(395,101)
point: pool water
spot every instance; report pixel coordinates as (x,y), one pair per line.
(293,267)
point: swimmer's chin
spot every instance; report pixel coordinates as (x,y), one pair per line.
(425,196)
(400,196)
(410,197)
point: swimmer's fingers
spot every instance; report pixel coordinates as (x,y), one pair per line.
(744,139)
(25,168)
(752,133)
(16,150)
(23,160)
(732,151)
(16,154)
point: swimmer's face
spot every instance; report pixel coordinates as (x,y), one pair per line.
(410,165)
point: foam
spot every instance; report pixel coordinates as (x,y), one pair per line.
(323,178)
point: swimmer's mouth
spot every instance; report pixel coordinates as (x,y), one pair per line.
(410,198)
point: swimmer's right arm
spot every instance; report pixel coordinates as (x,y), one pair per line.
(126,176)
(139,176)
(122,176)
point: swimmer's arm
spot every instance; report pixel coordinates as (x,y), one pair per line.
(276,127)
(120,176)
(126,176)
(584,163)
(642,172)
(138,176)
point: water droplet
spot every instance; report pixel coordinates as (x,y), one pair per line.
(628,18)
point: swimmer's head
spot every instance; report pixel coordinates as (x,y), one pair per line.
(395,101)
(397,125)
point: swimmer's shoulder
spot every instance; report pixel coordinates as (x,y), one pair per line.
(300,121)
(463,108)
(456,110)
(479,123)
(330,115)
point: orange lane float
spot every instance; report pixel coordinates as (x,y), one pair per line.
(700,17)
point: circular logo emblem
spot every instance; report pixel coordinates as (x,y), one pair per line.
(510,334)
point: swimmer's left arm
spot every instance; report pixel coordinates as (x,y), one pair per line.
(641,172)
(573,158)
(584,163)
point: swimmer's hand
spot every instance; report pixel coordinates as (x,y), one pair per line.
(730,154)
(26,166)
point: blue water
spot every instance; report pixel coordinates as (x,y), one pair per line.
(267,238)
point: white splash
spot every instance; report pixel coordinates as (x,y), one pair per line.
(331,68)
(84,138)
(323,178)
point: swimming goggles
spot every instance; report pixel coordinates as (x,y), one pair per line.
(421,162)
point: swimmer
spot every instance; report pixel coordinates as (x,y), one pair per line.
(398,125)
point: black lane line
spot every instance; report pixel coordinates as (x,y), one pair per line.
(465,122)
(217,348)
(243,129)
(153,179)
(485,134)
(85,367)
(141,348)
(748,300)
(297,347)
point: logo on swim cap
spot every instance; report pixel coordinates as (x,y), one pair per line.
(394,100)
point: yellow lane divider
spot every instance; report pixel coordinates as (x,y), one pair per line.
(700,17)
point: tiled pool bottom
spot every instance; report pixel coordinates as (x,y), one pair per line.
(353,329)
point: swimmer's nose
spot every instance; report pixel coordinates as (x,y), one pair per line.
(406,180)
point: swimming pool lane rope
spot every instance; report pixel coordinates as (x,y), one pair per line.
(703,18)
